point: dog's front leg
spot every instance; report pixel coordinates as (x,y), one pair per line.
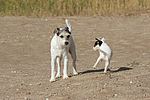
(99,58)
(52,70)
(59,66)
(65,76)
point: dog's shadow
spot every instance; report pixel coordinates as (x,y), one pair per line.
(102,70)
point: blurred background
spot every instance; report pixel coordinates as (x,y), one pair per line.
(47,8)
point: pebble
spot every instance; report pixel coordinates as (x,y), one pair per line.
(47,99)
(28,93)
(13,71)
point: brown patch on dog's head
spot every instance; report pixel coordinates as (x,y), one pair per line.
(56,31)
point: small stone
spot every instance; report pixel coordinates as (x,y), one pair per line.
(21,83)
(47,99)
(49,95)
(130,81)
(28,93)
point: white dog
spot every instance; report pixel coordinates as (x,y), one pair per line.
(105,52)
(61,44)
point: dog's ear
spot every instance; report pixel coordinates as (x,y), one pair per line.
(103,39)
(96,39)
(68,25)
(56,31)
(67,29)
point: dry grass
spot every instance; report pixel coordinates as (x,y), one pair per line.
(43,8)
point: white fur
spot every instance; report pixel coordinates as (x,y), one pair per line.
(60,50)
(105,54)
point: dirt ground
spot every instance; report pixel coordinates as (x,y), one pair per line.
(25,59)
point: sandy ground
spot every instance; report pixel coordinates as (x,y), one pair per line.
(25,59)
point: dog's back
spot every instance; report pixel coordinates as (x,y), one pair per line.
(104,47)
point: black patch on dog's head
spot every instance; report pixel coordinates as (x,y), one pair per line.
(58,31)
(98,42)
(67,30)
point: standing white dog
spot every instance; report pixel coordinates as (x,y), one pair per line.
(61,44)
(105,52)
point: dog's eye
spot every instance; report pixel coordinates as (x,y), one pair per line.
(68,36)
(62,36)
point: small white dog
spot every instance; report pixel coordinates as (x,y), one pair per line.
(61,44)
(105,52)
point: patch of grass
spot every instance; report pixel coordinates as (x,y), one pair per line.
(42,8)
(134,63)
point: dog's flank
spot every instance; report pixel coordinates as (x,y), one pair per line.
(105,52)
(61,44)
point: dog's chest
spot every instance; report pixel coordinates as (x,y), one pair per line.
(57,48)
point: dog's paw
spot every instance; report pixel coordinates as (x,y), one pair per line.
(65,77)
(58,76)
(94,67)
(75,73)
(105,72)
(52,80)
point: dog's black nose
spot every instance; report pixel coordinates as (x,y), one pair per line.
(66,43)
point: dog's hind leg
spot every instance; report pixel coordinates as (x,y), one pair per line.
(74,64)
(59,66)
(73,55)
(107,62)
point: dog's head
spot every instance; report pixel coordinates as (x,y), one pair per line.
(64,34)
(98,43)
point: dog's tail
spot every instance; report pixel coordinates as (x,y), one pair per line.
(68,25)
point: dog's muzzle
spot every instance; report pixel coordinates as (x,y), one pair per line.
(66,43)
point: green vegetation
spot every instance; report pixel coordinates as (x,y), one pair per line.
(134,63)
(43,8)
